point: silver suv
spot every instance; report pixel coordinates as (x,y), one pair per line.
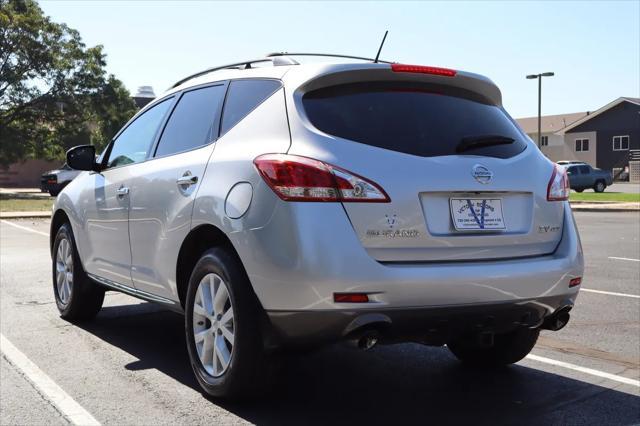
(279,205)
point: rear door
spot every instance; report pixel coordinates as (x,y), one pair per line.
(586,176)
(576,177)
(164,188)
(444,155)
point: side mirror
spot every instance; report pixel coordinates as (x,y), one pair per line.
(83,157)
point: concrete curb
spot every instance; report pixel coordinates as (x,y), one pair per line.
(603,209)
(24,215)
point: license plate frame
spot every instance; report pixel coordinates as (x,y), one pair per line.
(477,214)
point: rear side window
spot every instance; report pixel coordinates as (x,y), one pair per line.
(243,97)
(191,122)
(584,170)
(423,120)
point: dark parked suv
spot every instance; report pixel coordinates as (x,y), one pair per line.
(583,176)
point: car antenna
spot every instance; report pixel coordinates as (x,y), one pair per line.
(375,61)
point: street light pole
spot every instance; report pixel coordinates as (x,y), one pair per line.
(539,77)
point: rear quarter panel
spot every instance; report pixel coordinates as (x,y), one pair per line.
(264,130)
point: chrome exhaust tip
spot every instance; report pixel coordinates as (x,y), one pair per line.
(558,320)
(365,340)
(368,341)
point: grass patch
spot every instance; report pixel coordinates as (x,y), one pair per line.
(25,203)
(604,196)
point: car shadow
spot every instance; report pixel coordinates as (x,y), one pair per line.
(399,384)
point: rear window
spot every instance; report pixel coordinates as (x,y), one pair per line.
(424,120)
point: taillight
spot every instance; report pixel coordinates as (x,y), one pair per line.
(575,281)
(421,69)
(558,188)
(295,178)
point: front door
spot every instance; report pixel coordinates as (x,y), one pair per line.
(106,211)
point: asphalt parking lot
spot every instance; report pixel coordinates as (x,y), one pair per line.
(130,365)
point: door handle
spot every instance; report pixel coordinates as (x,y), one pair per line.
(122,191)
(187,180)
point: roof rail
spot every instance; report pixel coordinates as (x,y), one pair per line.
(276,61)
(326,55)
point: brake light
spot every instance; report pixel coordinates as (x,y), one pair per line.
(295,178)
(575,281)
(421,69)
(558,188)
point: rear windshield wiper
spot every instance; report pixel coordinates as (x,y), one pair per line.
(474,142)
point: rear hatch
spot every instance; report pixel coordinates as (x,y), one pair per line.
(464,182)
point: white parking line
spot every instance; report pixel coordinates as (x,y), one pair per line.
(611,293)
(590,371)
(67,406)
(624,258)
(24,228)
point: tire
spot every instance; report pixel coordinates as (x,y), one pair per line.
(579,189)
(507,348)
(245,371)
(77,297)
(599,186)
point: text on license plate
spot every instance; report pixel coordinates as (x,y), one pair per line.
(477,213)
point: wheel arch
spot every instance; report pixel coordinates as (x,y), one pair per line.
(59,218)
(199,240)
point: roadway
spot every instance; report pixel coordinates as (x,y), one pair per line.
(130,365)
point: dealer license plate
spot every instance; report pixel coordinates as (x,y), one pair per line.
(472,214)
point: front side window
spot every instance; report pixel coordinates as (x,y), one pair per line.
(582,145)
(419,119)
(620,143)
(134,143)
(191,121)
(584,170)
(243,97)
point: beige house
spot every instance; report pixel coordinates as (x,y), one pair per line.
(554,145)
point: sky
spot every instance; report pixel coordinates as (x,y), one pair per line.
(592,47)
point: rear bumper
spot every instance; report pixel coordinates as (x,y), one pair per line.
(46,187)
(309,251)
(306,252)
(433,325)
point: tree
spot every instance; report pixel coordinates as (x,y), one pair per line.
(54,91)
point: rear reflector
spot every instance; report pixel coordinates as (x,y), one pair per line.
(575,281)
(350,298)
(295,178)
(421,69)
(558,187)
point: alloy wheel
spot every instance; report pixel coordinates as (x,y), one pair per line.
(64,271)
(213,324)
